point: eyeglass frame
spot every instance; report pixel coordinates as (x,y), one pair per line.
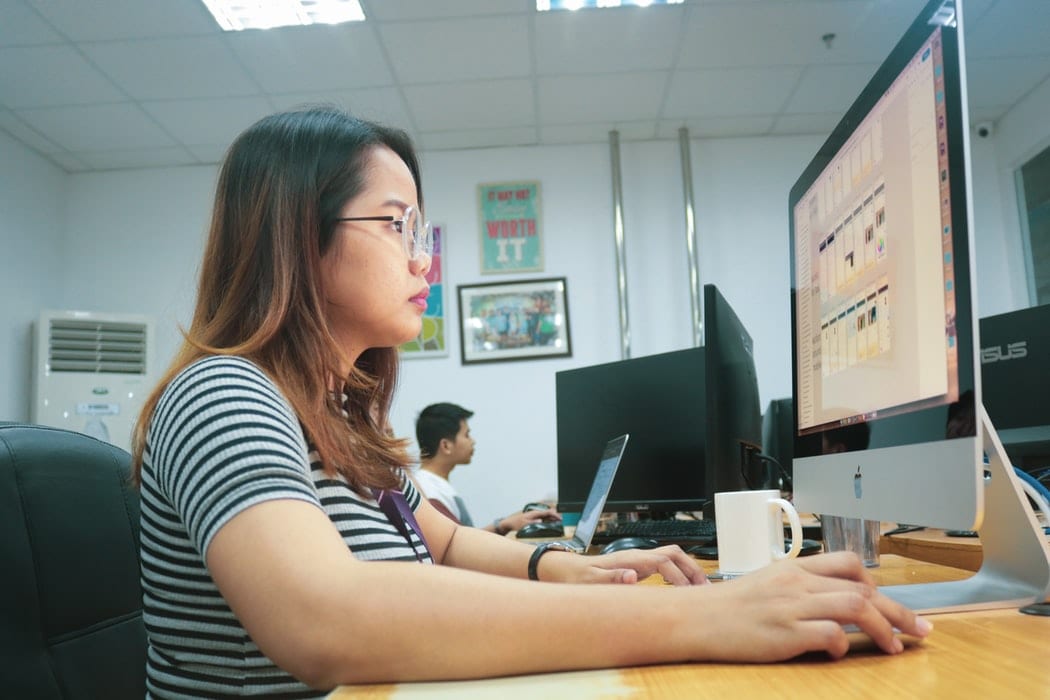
(422,239)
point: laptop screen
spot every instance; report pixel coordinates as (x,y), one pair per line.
(600,488)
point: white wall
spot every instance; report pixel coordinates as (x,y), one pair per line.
(1023,133)
(33,198)
(134,240)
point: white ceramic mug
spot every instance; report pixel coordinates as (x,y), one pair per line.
(751,530)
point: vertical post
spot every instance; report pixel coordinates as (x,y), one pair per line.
(690,238)
(621,254)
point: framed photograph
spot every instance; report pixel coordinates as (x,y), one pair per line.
(431,341)
(511,240)
(521,320)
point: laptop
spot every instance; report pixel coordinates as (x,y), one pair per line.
(600,488)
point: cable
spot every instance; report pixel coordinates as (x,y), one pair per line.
(1036,491)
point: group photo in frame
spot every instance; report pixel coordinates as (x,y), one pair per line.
(522,320)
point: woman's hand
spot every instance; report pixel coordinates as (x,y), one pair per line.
(801,605)
(632,565)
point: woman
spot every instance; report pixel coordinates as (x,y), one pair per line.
(284,550)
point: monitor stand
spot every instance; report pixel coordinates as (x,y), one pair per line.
(1016,566)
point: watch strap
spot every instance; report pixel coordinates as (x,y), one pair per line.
(534,560)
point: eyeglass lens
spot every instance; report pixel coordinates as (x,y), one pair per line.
(416,234)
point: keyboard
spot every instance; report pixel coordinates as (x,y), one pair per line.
(677,531)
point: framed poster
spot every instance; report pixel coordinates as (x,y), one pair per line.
(431,340)
(511,240)
(522,320)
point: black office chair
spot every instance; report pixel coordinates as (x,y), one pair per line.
(70,597)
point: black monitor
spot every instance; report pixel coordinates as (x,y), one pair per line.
(687,412)
(778,439)
(1015,382)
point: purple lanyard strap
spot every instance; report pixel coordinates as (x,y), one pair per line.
(396,508)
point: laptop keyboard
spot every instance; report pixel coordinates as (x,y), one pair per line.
(665,530)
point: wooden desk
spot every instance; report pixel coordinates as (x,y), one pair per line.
(934,546)
(994,654)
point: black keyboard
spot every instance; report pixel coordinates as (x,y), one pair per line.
(663,530)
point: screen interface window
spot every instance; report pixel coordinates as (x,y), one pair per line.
(873,245)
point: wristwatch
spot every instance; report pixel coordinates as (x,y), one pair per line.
(534,560)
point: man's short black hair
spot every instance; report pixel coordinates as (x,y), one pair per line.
(437,422)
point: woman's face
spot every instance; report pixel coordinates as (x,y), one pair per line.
(375,296)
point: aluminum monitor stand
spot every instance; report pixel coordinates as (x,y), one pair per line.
(1016,566)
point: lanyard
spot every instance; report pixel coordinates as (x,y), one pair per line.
(396,508)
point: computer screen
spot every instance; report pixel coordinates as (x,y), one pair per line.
(778,436)
(1015,382)
(883,329)
(687,412)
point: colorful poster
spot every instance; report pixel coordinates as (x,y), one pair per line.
(510,227)
(431,339)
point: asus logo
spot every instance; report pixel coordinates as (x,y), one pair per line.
(1010,351)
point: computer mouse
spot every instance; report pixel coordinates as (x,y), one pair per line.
(542,528)
(704,551)
(808,547)
(629,543)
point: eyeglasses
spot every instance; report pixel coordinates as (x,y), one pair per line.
(417,238)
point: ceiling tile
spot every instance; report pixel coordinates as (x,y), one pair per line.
(598,132)
(1004,81)
(717,127)
(44,76)
(729,92)
(97,127)
(628,39)
(210,153)
(215,121)
(81,20)
(767,34)
(26,134)
(303,59)
(397,10)
(829,88)
(790,124)
(478,138)
(147,158)
(172,68)
(382,105)
(69,163)
(572,99)
(485,104)
(470,49)
(20,26)
(1010,28)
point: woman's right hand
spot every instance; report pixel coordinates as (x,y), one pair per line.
(800,605)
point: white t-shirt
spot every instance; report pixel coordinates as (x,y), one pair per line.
(437,488)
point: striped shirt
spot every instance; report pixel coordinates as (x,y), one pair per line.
(223,438)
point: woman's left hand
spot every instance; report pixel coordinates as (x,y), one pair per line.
(632,565)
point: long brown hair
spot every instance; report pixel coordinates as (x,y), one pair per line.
(282,184)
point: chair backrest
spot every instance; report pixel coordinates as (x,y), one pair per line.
(70,594)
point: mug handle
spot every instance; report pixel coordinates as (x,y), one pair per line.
(796,530)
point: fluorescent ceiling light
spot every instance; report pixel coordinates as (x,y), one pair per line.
(235,15)
(545,5)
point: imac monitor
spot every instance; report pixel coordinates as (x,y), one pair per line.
(1015,381)
(687,412)
(883,325)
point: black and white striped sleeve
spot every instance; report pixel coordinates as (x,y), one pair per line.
(222,439)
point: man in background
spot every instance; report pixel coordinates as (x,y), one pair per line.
(443,434)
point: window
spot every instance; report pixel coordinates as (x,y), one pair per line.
(1033,188)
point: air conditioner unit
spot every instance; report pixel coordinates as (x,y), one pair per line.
(92,372)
